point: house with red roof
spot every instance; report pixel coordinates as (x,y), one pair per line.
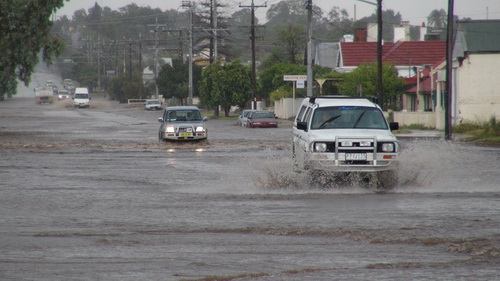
(412,60)
(405,55)
(475,92)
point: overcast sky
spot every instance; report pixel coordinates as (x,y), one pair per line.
(415,11)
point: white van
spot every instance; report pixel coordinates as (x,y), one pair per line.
(81,98)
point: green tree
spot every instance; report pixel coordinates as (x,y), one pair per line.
(339,23)
(24,32)
(123,88)
(293,12)
(363,81)
(226,85)
(292,42)
(271,77)
(85,74)
(173,80)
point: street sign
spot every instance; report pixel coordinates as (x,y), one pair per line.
(294,77)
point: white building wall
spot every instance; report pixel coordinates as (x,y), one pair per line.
(286,108)
(427,119)
(372,31)
(478,88)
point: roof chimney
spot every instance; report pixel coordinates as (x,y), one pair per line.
(372,32)
(423,31)
(402,32)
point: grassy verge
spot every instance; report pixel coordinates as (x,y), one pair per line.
(408,128)
(487,132)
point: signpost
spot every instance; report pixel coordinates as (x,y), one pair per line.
(298,81)
(294,77)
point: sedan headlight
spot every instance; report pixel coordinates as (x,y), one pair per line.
(200,129)
(320,147)
(170,130)
(388,147)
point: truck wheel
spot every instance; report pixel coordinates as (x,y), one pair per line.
(387,179)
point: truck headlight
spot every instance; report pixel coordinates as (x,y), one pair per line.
(388,147)
(200,129)
(320,147)
(170,130)
(365,143)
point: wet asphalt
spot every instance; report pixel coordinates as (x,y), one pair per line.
(90,194)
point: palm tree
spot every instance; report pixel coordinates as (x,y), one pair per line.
(437,18)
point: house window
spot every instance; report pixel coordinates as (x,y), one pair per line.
(413,103)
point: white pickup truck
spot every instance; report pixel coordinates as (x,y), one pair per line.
(340,135)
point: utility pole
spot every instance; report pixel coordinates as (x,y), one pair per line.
(130,59)
(380,87)
(309,49)
(190,5)
(214,26)
(449,71)
(140,65)
(157,49)
(253,77)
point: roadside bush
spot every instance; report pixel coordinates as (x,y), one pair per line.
(466,127)
(492,128)
(416,127)
(486,132)
(279,93)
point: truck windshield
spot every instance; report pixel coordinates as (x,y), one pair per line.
(345,117)
(183,115)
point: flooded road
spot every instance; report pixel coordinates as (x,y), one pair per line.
(90,194)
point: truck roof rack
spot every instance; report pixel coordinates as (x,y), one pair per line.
(313,99)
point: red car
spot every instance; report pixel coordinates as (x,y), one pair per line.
(262,119)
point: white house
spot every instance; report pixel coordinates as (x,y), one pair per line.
(476,87)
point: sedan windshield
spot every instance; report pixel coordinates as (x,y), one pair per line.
(348,117)
(183,115)
(262,115)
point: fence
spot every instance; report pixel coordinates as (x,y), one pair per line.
(426,119)
(136,101)
(286,108)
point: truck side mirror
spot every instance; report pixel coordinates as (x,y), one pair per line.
(302,126)
(394,126)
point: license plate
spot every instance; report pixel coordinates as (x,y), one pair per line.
(355,156)
(186,134)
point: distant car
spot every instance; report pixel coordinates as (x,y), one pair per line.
(81,98)
(262,119)
(242,119)
(153,105)
(69,85)
(63,94)
(182,123)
